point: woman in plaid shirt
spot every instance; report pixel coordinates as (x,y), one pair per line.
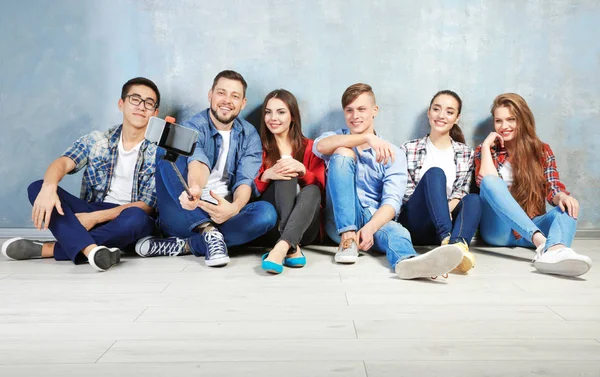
(517,174)
(437,207)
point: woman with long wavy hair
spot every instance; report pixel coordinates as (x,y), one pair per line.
(291,178)
(517,173)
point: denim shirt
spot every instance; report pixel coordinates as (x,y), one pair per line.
(376,184)
(245,149)
(97,152)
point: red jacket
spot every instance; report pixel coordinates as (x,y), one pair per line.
(315,175)
(315,170)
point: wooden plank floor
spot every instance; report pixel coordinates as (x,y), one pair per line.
(177,317)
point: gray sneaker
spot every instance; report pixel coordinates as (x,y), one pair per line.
(438,261)
(347,252)
(21,249)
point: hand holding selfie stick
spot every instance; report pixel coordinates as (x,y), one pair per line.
(176,140)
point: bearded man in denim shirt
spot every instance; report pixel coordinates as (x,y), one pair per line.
(220,175)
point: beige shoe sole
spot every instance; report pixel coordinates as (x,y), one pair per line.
(438,261)
(467,263)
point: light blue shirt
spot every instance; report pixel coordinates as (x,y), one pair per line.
(376,184)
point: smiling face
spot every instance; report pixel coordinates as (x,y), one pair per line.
(505,123)
(443,114)
(226,100)
(137,116)
(277,117)
(360,114)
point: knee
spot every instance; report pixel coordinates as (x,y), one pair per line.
(435,174)
(312,192)
(286,185)
(268,215)
(346,152)
(136,220)
(557,214)
(34,189)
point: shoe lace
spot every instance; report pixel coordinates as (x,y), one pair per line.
(445,276)
(215,243)
(347,243)
(170,247)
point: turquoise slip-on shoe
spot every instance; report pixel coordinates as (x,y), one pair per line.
(271,267)
(295,262)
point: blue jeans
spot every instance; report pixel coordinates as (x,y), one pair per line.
(345,213)
(254,220)
(427,217)
(71,237)
(502,214)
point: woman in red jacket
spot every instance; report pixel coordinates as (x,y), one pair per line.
(291,178)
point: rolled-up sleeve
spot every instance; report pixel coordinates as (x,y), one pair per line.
(199,154)
(323,157)
(79,152)
(394,182)
(249,164)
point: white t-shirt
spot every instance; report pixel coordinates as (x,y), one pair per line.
(506,172)
(217,180)
(121,184)
(443,159)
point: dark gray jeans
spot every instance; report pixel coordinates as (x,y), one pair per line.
(298,213)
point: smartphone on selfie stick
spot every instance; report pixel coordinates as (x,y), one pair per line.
(175,139)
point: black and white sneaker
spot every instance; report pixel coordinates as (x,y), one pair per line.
(216,250)
(160,247)
(102,258)
(21,249)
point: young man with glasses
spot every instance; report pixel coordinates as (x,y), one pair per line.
(117,194)
(220,175)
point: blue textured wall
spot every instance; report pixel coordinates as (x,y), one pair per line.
(63,63)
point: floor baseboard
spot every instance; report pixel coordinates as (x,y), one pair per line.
(582,234)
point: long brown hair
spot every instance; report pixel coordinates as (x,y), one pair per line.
(295,136)
(455,132)
(529,183)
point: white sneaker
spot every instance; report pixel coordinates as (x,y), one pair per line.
(347,252)
(102,258)
(155,247)
(438,261)
(563,261)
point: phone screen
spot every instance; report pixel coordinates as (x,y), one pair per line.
(178,139)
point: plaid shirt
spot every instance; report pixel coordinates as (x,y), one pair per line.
(97,152)
(463,159)
(500,155)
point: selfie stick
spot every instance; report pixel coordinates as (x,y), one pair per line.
(171,157)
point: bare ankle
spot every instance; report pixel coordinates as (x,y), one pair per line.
(556,247)
(87,250)
(538,239)
(48,250)
(348,235)
(206,227)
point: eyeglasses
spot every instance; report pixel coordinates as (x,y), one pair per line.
(135,100)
